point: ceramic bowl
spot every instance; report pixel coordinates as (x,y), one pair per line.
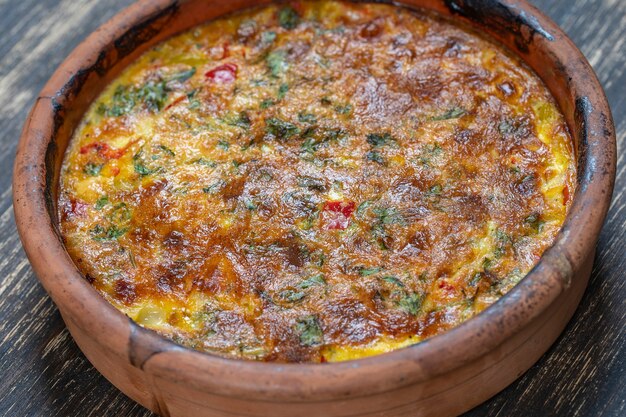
(444,375)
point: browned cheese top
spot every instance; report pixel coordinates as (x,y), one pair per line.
(314,182)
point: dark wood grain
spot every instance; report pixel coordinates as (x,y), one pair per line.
(43,373)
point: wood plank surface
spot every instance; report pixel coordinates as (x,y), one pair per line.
(43,373)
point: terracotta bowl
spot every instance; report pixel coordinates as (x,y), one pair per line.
(444,375)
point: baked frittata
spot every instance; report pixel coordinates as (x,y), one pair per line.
(315,181)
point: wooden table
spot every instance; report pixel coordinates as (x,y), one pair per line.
(42,371)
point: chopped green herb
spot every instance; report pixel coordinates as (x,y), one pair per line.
(476,279)
(453,113)
(249,204)
(92,169)
(242,120)
(435,189)
(312,281)
(363,206)
(193,104)
(487,263)
(100,234)
(312,183)
(410,303)
(291,296)
(183,76)
(166,150)
(268,37)
(535,222)
(503,241)
(288,18)
(139,166)
(152,95)
(309,221)
(247,145)
(379,139)
(309,145)
(282,91)
(281,129)
(365,272)
(222,144)
(384,217)
(277,63)
(266,103)
(333,134)
(101,202)
(214,188)
(380,234)
(429,152)
(120,213)
(505,128)
(131,258)
(375,156)
(392,280)
(389,215)
(344,109)
(205,162)
(307,118)
(122,102)
(310,332)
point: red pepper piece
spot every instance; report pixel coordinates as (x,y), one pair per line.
(336,214)
(565,195)
(218,52)
(104,150)
(226,53)
(223,74)
(175,102)
(297,6)
(444,285)
(73,208)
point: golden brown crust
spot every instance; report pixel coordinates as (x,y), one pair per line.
(282,186)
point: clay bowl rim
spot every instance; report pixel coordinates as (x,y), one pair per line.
(33,178)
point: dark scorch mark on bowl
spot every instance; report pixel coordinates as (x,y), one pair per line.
(144,31)
(501,18)
(586,162)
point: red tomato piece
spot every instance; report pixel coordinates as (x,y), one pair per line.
(223,74)
(336,214)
